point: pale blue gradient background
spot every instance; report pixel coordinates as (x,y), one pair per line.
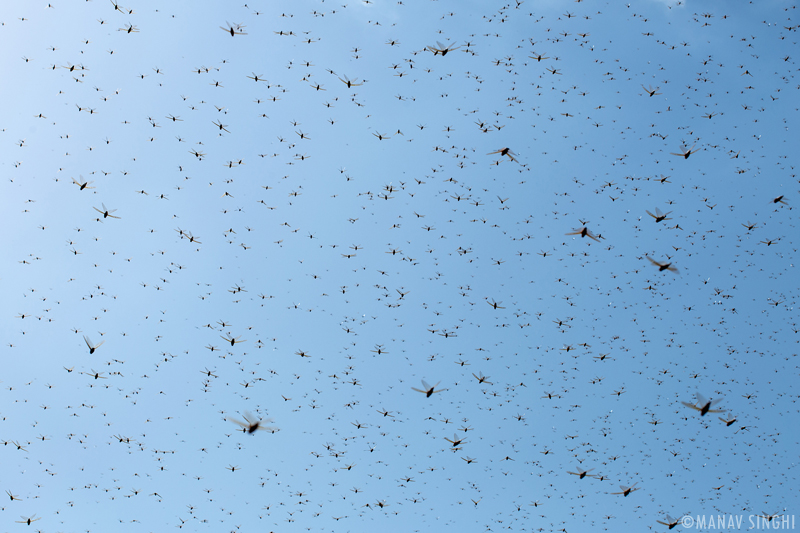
(724,326)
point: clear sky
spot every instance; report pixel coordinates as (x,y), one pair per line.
(497,203)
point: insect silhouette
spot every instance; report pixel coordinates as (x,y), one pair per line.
(663,266)
(232,340)
(442,49)
(582,473)
(252,424)
(686,152)
(770,517)
(505,151)
(233,29)
(584,232)
(429,391)
(84,185)
(28,519)
(670,523)
(650,91)
(659,216)
(704,406)
(779,200)
(92,347)
(481,378)
(350,83)
(105,211)
(455,441)
(627,490)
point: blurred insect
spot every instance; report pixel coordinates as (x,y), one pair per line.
(105,212)
(659,216)
(429,391)
(350,83)
(581,473)
(505,151)
(703,405)
(130,28)
(649,90)
(455,442)
(252,424)
(232,340)
(82,185)
(442,49)
(92,347)
(192,238)
(685,152)
(28,520)
(627,490)
(750,226)
(663,266)
(481,378)
(584,232)
(779,200)
(670,523)
(233,29)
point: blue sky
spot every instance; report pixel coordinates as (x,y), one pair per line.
(360,239)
